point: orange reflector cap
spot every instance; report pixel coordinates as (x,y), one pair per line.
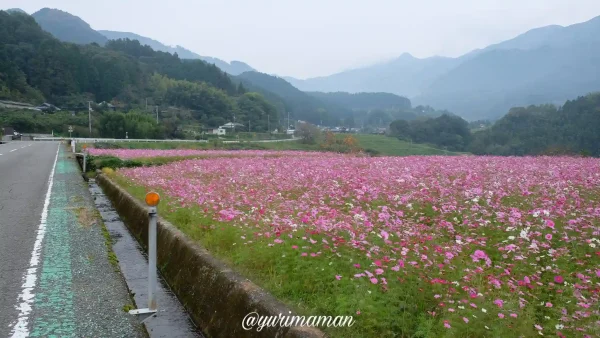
(84,146)
(152,199)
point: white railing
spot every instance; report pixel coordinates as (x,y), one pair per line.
(114,140)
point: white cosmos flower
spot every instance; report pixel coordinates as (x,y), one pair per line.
(524,233)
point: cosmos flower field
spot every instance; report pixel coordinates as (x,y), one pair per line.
(125,154)
(411,246)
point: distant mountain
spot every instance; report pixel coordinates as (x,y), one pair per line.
(67,27)
(547,64)
(16,10)
(364,101)
(301,105)
(156,45)
(405,75)
(233,68)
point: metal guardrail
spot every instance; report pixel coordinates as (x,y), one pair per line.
(114,140)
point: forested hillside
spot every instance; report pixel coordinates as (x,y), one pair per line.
(545,129)
(535,130)
(300,105)
(233,67)
(364,101)
(35,67)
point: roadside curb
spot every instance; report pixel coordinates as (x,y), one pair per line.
(215,296)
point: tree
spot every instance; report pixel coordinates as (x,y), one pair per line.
(309,133)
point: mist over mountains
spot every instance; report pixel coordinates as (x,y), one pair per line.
(545,65)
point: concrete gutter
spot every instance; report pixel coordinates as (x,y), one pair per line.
(215,296)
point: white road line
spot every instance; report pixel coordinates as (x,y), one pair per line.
(13,150)
(25,300)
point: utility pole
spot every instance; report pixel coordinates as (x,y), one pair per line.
(156,114)
(248,125)
(269,123)
(288,126)
(146,104)
(90,116)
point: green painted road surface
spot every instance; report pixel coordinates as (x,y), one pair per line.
(56,278)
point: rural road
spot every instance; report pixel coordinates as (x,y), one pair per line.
(55,275)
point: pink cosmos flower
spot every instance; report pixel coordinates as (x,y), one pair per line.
(338,277)
(466,319)
(548,304)
(374,280)
(447,324)
(499,302)
(549,237)
(294,247)
(550,223)
(559,279)
(501,315)
(514,315)
(378,271)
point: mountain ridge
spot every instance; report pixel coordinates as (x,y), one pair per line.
(67,27)
(233,67)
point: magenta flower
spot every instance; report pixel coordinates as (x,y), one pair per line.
(559,279)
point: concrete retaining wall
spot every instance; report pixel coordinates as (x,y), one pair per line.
(216,297)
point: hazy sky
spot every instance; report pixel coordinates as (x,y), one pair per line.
(306,38)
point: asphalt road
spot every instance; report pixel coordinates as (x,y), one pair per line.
(56,278)
(24,171)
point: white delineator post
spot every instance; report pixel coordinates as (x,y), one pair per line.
(84,159)
(152,200)
(152,258)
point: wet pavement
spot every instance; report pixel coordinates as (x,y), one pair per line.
(56,278)
(171,319)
